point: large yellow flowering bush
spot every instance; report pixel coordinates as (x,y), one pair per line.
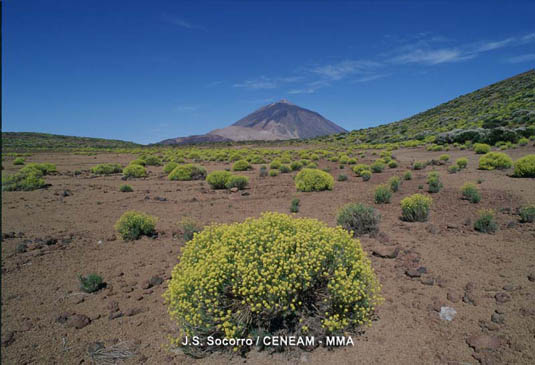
(313,180)
(274,274)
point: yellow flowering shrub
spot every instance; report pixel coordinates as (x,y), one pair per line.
(313,180)
(274,274)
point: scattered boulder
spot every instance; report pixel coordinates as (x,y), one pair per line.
(413,273)
(484,342)
(115,315)
(531,276)
(427,281)
(155,280)
(453,297)
(386,252)
(470,298)
(78,321)
(502,297)
(497,318)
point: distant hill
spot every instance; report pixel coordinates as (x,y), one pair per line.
(277,121)
(44,141)
(509,103)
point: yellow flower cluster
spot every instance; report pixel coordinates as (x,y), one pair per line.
(234,278)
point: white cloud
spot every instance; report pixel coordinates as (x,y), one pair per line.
(522,58)
(181,22)
(187,108)
(345,68)
(431,57)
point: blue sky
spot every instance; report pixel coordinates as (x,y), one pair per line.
(145,71)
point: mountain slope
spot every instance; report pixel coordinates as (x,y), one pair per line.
(44,141)
(509,103)
(277,121)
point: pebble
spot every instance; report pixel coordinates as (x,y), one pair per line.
(386,252)
(497,318)
(453,297)
(502,298)
(483,342)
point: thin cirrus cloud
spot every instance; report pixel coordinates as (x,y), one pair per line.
(422,49)
(180,22)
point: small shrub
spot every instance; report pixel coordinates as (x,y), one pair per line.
(495,160)
(45,168)
(420,187)
(90,283)
(486,222)
(170,166)
(357,169)
(277,269)
(275,164)
(236,181)
(241,165)
(418,165)
(218,179)
(106,169)
(296,166)
(523,141)
(284,169)
(133,225)
(461,162)
(527,213)
(453,169)
(24,180)
(342,177)
(525,166)
(394,183)
(263,171)
(138,161)
(366,175)
(274,172)
(382,194)
(313,180)
(471,193)
(433,180)
(407,175)
(125,188)
(359,218)
(415,208)
(189,227)
(481,148)
(294,206)
(134,171)
(18,161)
(392,164)
(152,160)
(187,172)
(480,181)
(444,158)
(377,166)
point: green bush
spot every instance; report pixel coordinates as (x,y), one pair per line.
(525,166)
(433,180)
(527,213)
(481,148)
(170,166)
(284,169)
(241,165)
(359,218)
(294,274)
(218,179)
(296,166)
(187,172)
(236,181)
(134,171)
(263,171)
(342,177)
(392,164)
(125,188)
(138,161)
(415,208)
(45,168)
(461,162)
(382,194)
(26,179)
(394,183)
(106,169)
(152,160)
(407,175)
(18,161)
(357,169)
(294,206)
(90,283)
(275,164)
(523,142)
(471,193)
(313,180)
(444,158)
(133,225)
(453,169)
(495,160)
(377,166)
(418,165)
(486,222)
(189,227)
(366,175)
(274,172)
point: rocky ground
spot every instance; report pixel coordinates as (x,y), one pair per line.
(50,236)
